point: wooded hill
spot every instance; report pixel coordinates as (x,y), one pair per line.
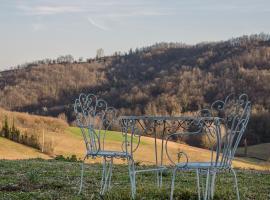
(166,78)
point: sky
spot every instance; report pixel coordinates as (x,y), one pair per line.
(36,29)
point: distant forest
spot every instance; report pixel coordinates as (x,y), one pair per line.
(163,79)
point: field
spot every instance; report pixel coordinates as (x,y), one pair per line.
(54,179)
(71,142)
(12,150)
(50,179)
(68,141)
(260,151)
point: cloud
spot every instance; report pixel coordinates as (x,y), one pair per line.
(97,25)
(103,14)
(136,13)
(38,27)
(95,8)
(49,10)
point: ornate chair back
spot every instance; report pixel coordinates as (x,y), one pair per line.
(234,113)
(94,118)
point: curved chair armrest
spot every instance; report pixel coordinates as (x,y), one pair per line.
(131,141)
(184,155)
(180,153)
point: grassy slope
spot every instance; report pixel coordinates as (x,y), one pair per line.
(68,141)
(261,151)
(71,142)
(13,150)
(37,179)
(33,123)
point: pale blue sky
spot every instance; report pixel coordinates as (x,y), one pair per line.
(36,29)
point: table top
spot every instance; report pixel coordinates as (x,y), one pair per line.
(152,117)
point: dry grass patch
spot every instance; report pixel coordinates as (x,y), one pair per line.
(39,130)
(11,150)
(71,142)
(25,121)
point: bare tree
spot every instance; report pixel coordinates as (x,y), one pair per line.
(100,53)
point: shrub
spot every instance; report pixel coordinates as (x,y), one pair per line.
(5,128)
(73,158)
(15,135)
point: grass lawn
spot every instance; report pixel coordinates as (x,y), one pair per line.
(260,151)
(50,179)
(110,135)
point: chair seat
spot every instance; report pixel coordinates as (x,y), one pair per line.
(120,154)
(200,165)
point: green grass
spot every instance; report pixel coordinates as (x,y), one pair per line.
(110,135)
(260,151)
(40,179)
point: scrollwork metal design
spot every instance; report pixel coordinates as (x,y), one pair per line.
(132,141)
(94,117)
(230,120)
(197,126)
(235,112)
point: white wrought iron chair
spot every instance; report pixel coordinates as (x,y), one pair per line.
(232,116)
(94,118)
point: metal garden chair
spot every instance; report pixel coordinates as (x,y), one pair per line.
(94,118)
(232,117)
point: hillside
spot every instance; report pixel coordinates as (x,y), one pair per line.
(30,122)
(32,131)
(11,150)
(260,151)
(160,79)
(71,142)
(67,141)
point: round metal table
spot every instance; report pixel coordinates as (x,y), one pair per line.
(159,128)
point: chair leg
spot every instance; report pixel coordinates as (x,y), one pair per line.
(132,176)
(110,177)
(213,185)
(198,183)
(207,185)
(202,185)
(172,184)
(103,175)
(82,173)
(206,190)
(160,178)
(106,175)
(236,184)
